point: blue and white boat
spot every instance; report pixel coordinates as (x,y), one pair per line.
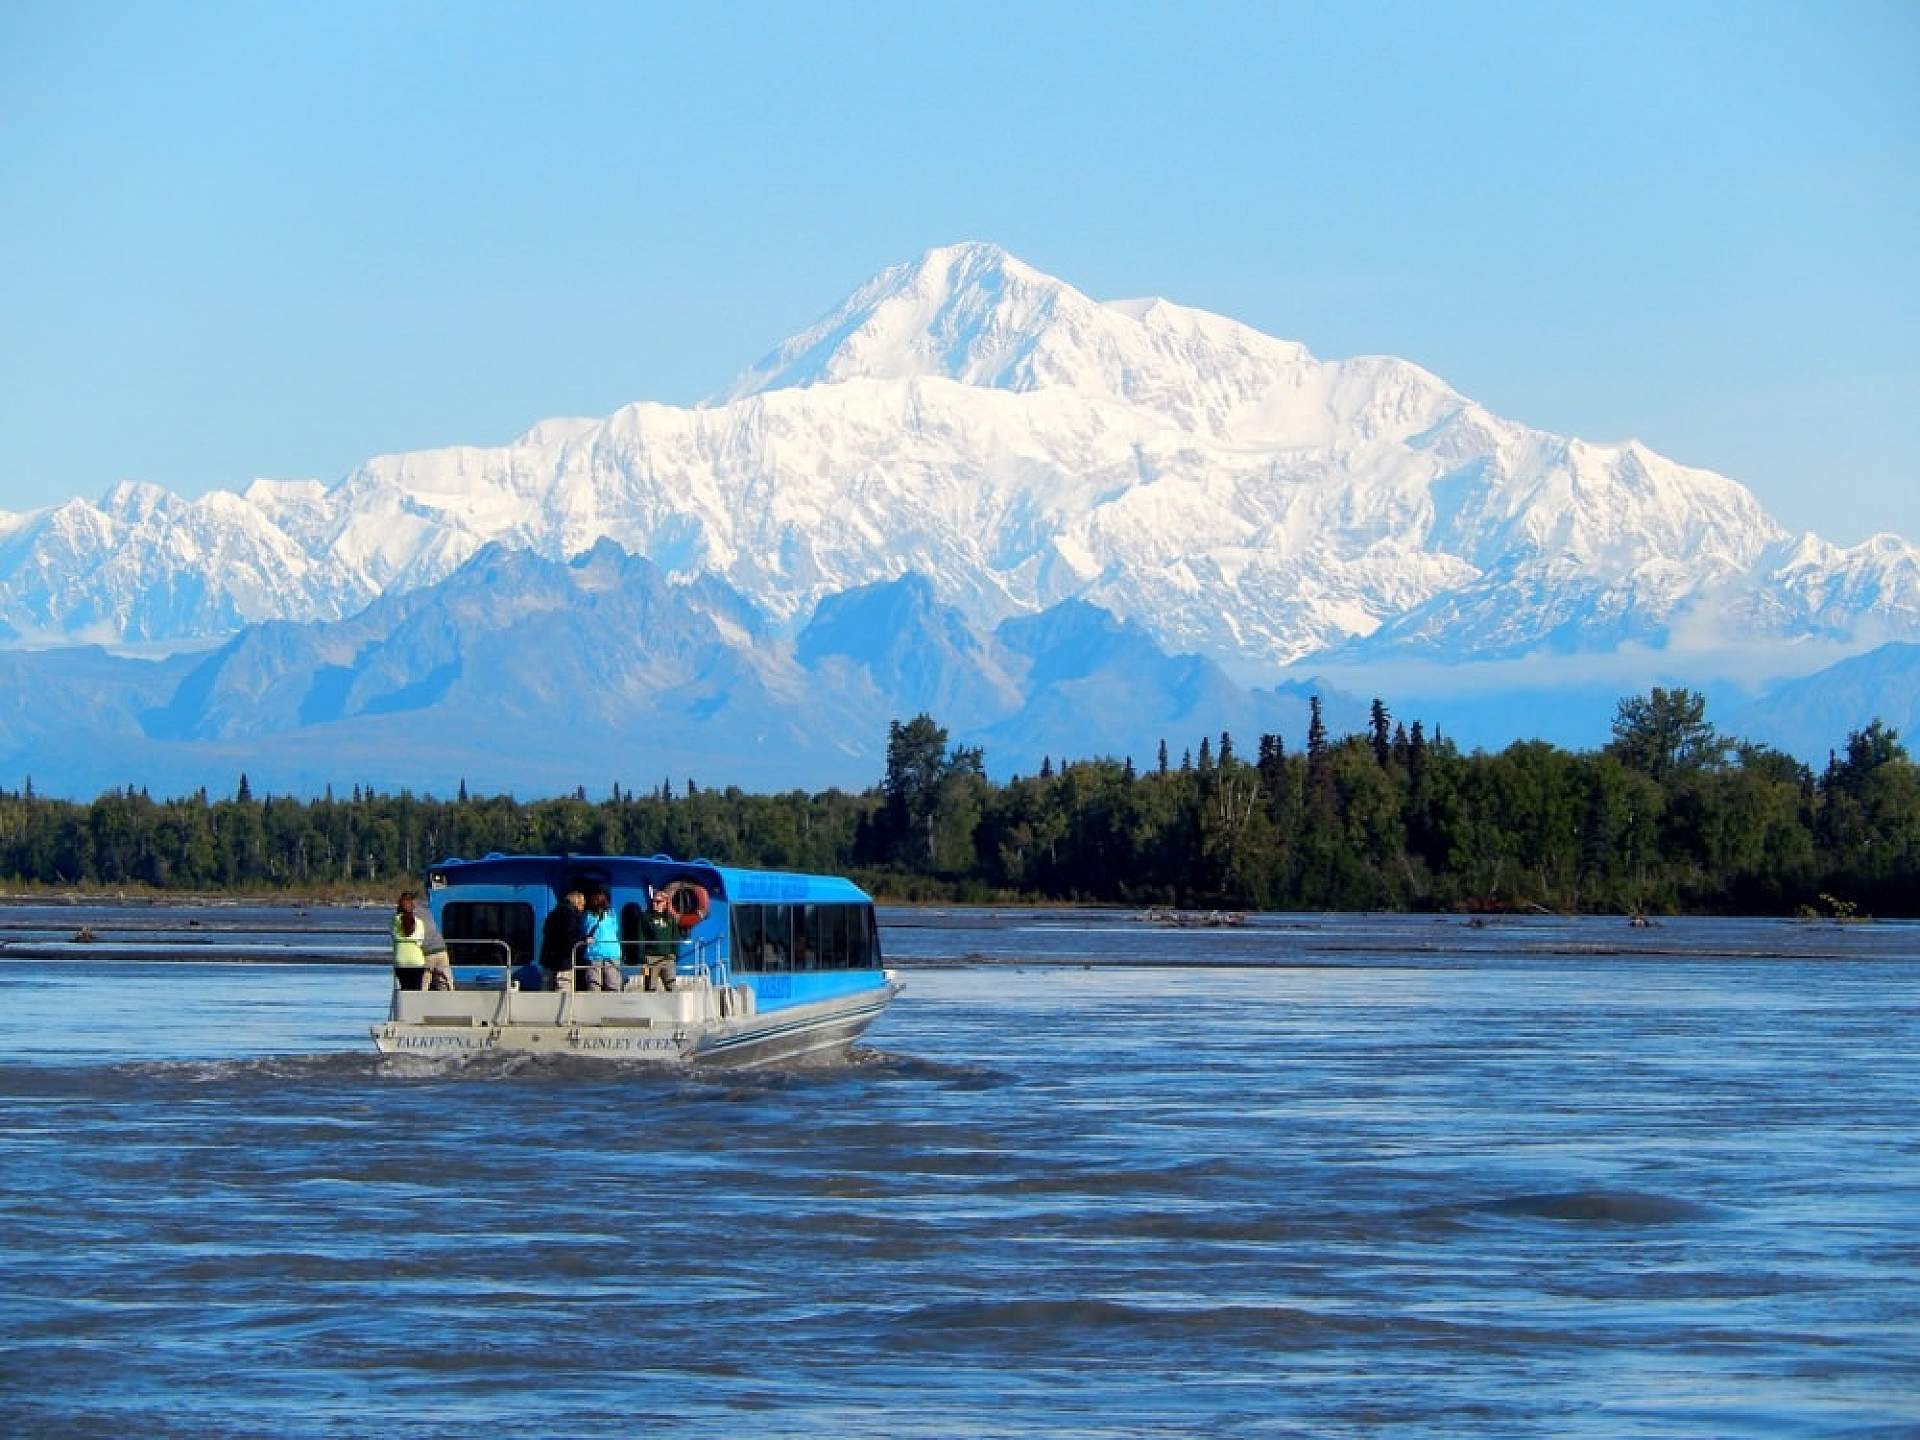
(772,966)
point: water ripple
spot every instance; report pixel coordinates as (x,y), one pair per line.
(1488,1193)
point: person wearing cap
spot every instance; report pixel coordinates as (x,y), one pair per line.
(659,943)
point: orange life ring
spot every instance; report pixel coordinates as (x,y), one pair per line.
(688,902)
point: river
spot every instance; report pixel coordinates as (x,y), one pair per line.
(1315,1176)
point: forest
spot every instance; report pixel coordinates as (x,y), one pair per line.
(1670,816)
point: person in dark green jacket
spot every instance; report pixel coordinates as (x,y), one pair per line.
(660,943)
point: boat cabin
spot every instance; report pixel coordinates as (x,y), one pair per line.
(791,938)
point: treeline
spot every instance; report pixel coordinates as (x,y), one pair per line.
(1670,816)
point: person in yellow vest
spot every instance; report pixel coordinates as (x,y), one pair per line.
(409,944)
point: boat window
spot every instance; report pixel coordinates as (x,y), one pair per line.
(748,936)
(804,937)
(835,922)
(776,947)
(863,941)
(630,933)
(471,927)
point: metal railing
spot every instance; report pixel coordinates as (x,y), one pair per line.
(702,959)
(505,1012)
(507,966)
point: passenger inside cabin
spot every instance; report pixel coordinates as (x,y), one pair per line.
(565,929)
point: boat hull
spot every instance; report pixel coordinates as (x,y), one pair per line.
(685,1027)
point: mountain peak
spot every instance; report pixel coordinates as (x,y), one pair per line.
(970,258)
(976,315)
(968,312)
(133,500)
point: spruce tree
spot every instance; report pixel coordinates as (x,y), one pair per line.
(1273,762)
(1320,797)
(1162,762)
(1418,816)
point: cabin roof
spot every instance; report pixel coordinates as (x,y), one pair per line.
(727,882)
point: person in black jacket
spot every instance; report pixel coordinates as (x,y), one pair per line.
(565,928)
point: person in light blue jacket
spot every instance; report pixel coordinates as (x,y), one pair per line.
(601,967)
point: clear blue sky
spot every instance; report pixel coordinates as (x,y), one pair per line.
(275,239)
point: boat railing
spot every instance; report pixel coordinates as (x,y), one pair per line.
(506,972)
(710,961)
(695,966)
(703,960)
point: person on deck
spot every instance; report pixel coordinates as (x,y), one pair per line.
(602,969)
(659,943)
(565,929)
(409,944)
(439,966)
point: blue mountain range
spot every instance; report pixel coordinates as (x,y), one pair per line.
(524,674)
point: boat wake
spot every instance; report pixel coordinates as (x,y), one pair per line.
(134,1078)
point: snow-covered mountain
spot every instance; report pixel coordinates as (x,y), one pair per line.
(146,565)
(970,419)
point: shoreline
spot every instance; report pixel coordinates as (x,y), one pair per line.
(1183,918)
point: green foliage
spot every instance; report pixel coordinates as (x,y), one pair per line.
(1665,732)
(933,803)
(1669,816)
